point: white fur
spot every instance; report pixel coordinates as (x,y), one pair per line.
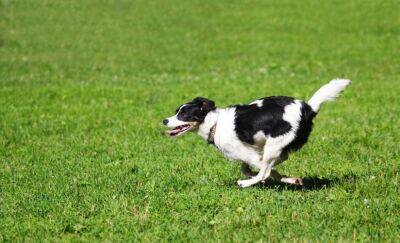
(259,103)
(292,114)
(328,92)
(209,121)
(173,121)
(259,138)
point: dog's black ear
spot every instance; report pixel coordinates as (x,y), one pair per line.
(205,104)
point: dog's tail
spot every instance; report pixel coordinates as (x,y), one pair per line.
(328,92)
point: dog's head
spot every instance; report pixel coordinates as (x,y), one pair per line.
(188,116)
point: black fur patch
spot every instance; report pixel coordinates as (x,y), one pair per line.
(268,118)
(195,110)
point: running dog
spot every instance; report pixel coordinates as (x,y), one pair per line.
(261,134)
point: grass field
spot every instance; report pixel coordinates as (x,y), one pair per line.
(84,86)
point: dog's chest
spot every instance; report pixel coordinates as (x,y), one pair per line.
(226,140)
(228,147)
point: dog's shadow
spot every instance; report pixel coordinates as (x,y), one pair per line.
(309,183)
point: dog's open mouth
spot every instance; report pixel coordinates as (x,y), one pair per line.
(179,130)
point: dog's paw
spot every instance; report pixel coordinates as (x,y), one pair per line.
(299,182)
(243,183)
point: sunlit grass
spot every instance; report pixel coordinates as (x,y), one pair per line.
(85,85)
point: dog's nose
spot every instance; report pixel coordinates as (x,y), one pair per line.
(165,121)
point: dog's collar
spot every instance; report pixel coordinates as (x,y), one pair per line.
(211,135)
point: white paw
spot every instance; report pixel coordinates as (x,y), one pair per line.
(243,183)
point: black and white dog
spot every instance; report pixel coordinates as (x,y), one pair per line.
(261,134)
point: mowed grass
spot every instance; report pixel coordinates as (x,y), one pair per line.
(85,85)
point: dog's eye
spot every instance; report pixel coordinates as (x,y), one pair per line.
(183,112)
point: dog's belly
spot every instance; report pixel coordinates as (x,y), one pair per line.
(235,150)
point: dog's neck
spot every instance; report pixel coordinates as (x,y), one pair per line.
(209,121)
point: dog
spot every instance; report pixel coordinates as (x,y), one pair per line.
(260,135)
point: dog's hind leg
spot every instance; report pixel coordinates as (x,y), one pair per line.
(282,178)
(246,170)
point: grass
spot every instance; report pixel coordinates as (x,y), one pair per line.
(85,85)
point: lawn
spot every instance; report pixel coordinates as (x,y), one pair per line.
(84,86)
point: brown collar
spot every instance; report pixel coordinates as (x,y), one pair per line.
(211,135)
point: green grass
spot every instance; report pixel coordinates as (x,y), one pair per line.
(85,85)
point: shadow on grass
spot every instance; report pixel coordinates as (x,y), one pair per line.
(309,183)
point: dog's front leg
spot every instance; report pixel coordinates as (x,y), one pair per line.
(246,170)
(272,151)
(264,173)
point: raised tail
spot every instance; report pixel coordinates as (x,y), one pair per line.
(328,92)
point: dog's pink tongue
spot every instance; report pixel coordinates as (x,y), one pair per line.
(174,132)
